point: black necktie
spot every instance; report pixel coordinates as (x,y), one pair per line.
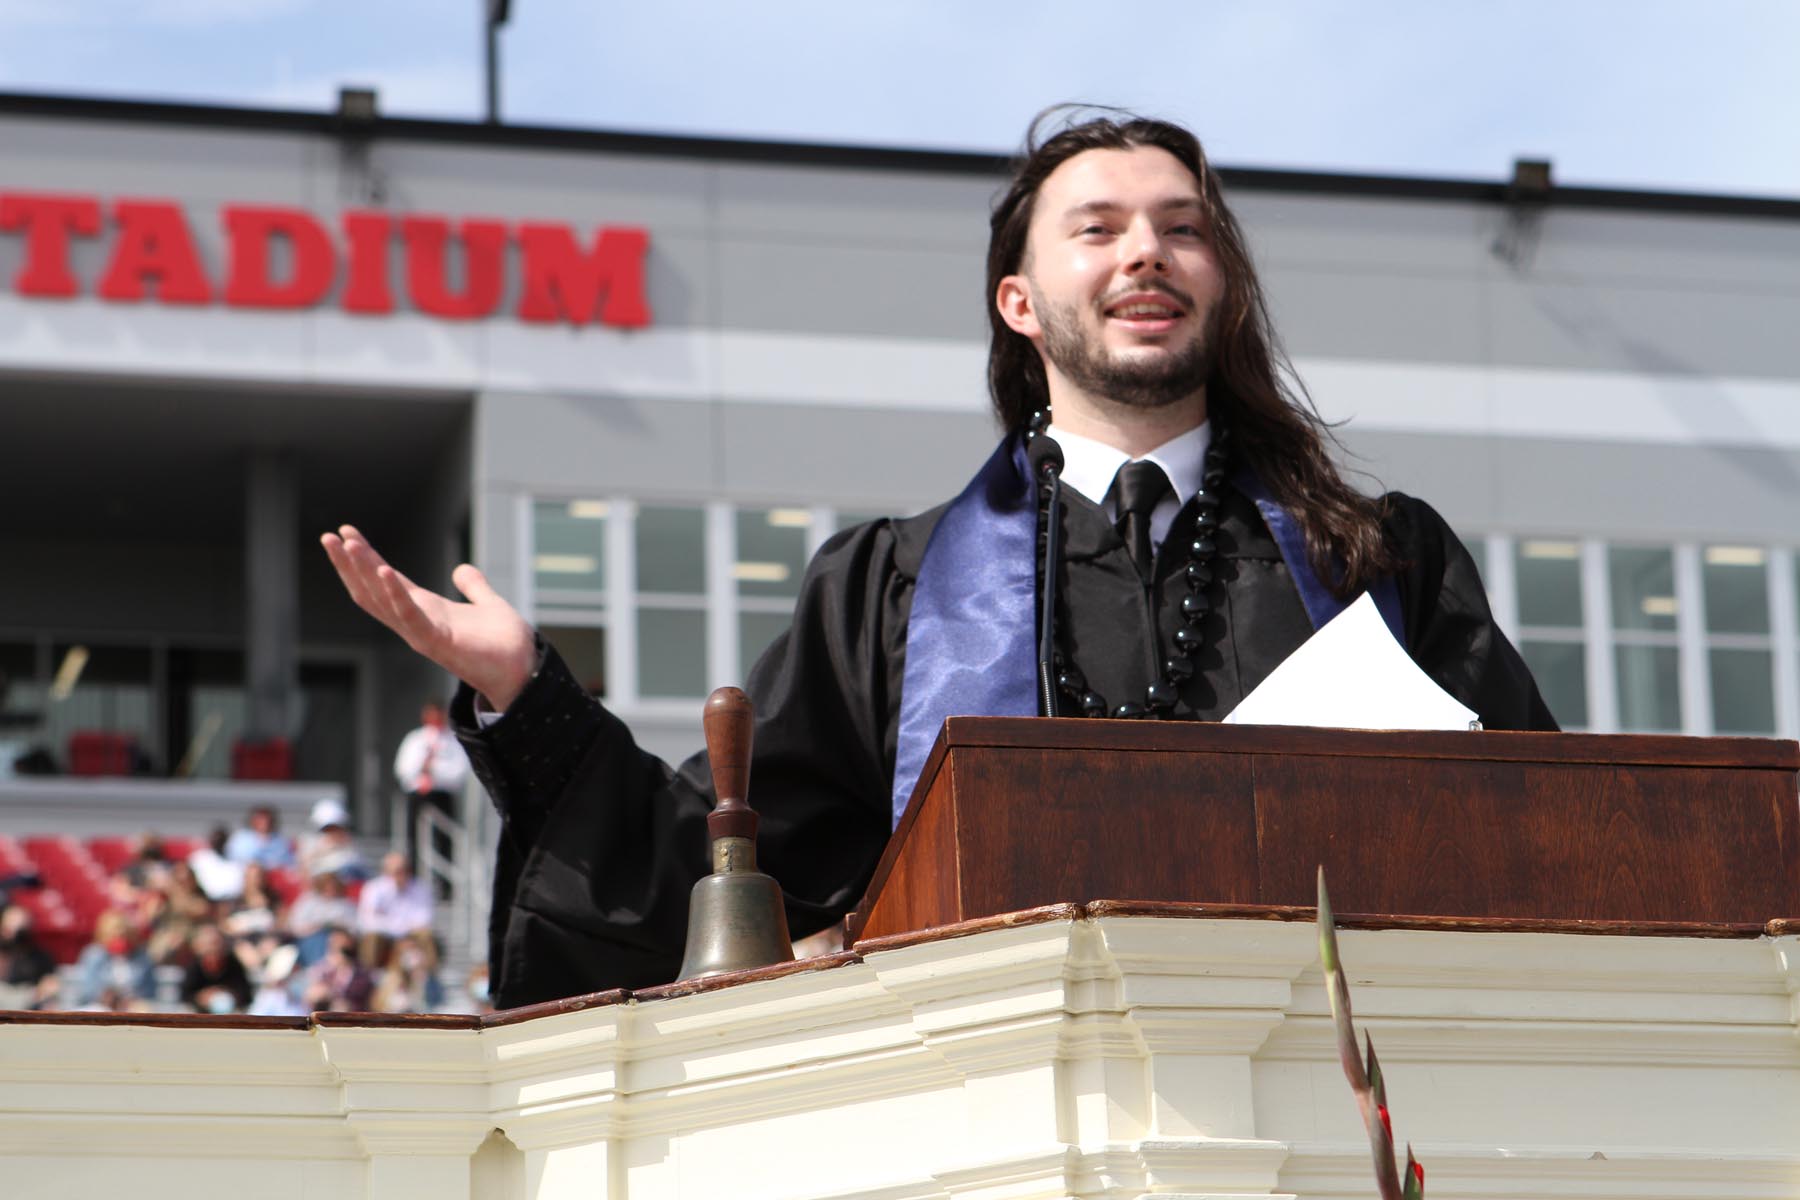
(1141,485)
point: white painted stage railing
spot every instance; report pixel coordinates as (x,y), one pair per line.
(1067,1052)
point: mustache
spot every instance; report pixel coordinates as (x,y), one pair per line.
(1151,285)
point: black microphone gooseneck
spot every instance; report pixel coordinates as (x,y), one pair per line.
(1046,460)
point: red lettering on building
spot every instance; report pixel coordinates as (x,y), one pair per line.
(484,248)
(366,287)
(47,222)
(312,264)
(287,258)
(562,283)
(154,243)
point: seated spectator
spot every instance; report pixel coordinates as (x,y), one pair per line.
(148,866)
(393,904)
(331,847)
(186,896)
(116,1000)
(219,877)
(258,908)
(409,982)
(322,905)
(112,961)
(260,841)
(17,879)
(175,910)
(216,981)
(337,982)
(479,989)
(28,976)
(275,990)
(254,924)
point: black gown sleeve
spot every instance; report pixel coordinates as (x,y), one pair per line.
(602,842)
(1450,630)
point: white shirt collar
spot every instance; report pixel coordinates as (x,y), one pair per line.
(1089,465)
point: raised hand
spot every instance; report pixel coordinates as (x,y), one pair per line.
(483,642)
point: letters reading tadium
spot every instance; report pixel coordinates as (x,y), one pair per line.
(151,255)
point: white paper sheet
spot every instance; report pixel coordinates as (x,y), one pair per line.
(1352,674)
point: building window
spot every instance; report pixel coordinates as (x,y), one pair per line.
(671,601)
(569,560)
(772,546)
(1646,650)
(1739,647)
(1551,639)
(649,603)
(570,583)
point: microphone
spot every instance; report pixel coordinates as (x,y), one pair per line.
(1046,460)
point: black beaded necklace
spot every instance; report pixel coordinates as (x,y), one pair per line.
(1203,548)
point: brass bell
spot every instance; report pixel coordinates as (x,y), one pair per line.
(736,919)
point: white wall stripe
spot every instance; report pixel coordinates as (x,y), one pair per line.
(721,597)
(1785,639)
(1690,629)
(1596,617)
(621,602)
(88,337)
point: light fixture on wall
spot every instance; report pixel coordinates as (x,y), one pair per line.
(1526,196)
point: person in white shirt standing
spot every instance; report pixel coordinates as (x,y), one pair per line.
(431,769)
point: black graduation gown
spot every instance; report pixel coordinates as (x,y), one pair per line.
(601,842)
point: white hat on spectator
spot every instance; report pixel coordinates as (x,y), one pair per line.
(281,963)
(330,812)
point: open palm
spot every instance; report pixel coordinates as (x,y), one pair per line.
(481,640)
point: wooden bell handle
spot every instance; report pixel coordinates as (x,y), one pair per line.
(728,722)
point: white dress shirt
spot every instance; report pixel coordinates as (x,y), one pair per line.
(433,752)
(1089,467)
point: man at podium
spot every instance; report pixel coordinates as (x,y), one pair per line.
(1205,534)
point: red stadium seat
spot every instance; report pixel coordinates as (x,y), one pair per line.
(100,752)
(112,853)
(58,930)
(273,759)
(69,869)
(179,848)
(13,859)
(286,883)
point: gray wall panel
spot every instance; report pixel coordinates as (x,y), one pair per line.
(1400,236)
(1622,491)
(1659,331)
(879,460)
(523,184)
(1457,476)
(790,286)
(886,459)
(1735,254)
(112,161)
(596,444)
(1365,314)
(826,205)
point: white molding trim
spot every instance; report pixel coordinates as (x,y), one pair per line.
(1596,620)
(1105,1058)
(1784,636)
(1690,630)
(409,352)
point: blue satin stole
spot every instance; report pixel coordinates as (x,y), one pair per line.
(971,639)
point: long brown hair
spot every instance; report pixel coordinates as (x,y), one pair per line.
(1252,389)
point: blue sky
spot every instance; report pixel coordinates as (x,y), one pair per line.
(1635,93)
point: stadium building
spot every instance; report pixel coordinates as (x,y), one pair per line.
(639,379)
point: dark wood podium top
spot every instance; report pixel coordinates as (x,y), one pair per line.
(1011,813)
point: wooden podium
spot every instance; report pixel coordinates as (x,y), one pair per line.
(1011,813)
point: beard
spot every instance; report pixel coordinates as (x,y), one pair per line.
(1155,381)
